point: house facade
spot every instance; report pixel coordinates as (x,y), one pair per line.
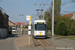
(4,28)
(11,23)
(70,15)
(73,17)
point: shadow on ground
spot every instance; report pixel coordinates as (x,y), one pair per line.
(44,38)
(10,35)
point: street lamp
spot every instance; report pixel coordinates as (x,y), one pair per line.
(21,23)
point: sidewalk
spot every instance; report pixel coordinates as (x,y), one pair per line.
(22,41)
(6,43)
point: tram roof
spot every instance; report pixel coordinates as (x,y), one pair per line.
(39,21)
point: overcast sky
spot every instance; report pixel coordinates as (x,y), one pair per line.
(14,8)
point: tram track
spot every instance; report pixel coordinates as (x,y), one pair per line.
(43,43)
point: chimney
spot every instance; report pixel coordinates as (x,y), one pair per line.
(73,15)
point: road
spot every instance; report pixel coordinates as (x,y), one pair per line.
(7,43)
(39,44)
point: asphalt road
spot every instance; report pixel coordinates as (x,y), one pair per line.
(7,43)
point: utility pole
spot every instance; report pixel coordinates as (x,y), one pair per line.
(52,19)
(21,23)
(29,27)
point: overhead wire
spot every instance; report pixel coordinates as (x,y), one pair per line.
(65,3)
(41,3)
(37,1)
(71,8)
(45,3)
(57,3)
(67,7)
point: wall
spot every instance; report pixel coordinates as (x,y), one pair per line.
(3,32)
(73,15)
(5,22)
(1,19)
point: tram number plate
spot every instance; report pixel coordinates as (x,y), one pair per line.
(40,33)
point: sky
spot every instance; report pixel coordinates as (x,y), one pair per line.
(15,8)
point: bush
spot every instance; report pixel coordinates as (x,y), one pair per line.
(72,32)
(26,26)
(61,28)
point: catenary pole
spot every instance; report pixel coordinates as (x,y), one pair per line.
(52,19)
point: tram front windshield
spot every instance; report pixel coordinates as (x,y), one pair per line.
(40,27)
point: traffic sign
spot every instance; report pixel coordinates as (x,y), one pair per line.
(29,32)
(29,27)
(28,17)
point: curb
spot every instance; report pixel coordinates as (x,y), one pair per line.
(14,46)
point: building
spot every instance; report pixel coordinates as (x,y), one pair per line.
(70,15)
(1,19)
(19,24)
(11,23)
(5,22)
(4,28)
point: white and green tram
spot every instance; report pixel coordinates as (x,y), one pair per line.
(39,29)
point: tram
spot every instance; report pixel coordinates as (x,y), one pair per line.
(39,29)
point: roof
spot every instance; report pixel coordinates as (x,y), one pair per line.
(5,15)
(69,15)
(39,20)
(23,23)
(11,22)
(19,23)
(35,21)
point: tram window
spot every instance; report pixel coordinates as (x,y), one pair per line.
(35,26)
(40,27)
